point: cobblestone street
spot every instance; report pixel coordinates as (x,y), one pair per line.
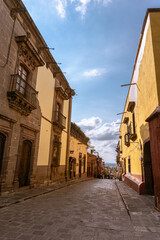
(91,210)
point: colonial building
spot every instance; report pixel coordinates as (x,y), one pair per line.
(139,130)
(35,105)
(55,98)
(100,167)
(78,153)
(91,165)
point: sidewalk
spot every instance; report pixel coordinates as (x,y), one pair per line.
(17,197)
(144,217)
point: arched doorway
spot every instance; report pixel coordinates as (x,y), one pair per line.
(2,144)
(25,163)
(148,174)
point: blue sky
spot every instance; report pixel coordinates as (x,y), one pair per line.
(96,42)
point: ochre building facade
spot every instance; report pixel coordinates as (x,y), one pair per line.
(78,153)
(139,131)
(55,101)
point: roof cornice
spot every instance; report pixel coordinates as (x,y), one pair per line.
(32,26)
(149,10)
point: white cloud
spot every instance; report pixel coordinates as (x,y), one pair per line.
(104,2)
(82,8)
(83,5)
(102,135)
(61,7)
(89,124)
(94,72)
(94,129)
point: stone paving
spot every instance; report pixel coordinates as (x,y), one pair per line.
(27,193)
(145,219)
(89,210)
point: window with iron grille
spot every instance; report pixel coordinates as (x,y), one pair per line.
(127,139)
(129,165)
(133,119)
(129,128)
(21,79)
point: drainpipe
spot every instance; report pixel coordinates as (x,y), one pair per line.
(68,137)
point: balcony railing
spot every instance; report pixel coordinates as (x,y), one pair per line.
(23,89)
(21,96)
(59,119)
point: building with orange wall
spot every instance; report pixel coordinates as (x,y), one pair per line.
(78,153)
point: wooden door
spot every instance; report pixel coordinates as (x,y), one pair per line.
(25,163)
(2,144)
(149,185)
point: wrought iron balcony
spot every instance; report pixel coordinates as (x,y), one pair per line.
(127,139)
(21,96)
(59,119)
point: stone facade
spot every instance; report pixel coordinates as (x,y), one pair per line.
(20,115)
(23,121)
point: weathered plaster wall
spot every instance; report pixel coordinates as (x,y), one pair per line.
(155,28)
(147,101)
(46,89)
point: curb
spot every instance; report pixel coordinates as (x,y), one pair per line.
(123,200)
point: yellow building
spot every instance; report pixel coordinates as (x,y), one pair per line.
(78,153)
(55,98)
(136,144)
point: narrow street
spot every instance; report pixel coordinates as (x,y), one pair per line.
(90,210)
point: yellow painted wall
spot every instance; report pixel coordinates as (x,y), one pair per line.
(46,88)
(155,27)
(78,148)
(147,101)
(44,143)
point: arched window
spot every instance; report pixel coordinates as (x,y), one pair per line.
(2,144)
